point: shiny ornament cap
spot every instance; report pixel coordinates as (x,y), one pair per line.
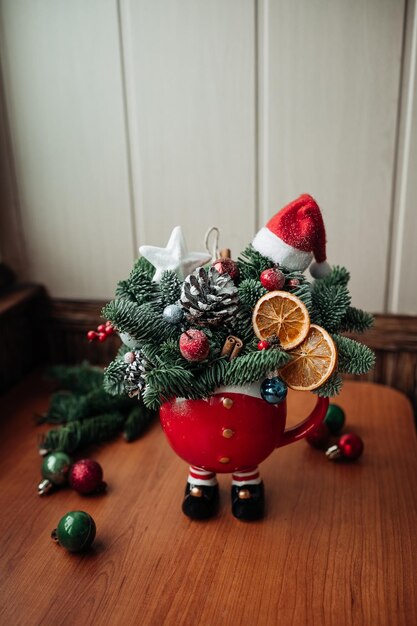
(294,235)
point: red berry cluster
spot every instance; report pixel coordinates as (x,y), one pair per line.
(103,331)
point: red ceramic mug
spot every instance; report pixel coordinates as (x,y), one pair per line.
(230,430)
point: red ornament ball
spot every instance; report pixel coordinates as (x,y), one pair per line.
(319,437)
(227,266)
(272,279)
(350,446)
(86,476)
(194,345)
(263,345)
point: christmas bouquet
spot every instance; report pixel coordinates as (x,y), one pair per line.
(215,343)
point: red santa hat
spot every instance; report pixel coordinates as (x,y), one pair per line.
(294,235)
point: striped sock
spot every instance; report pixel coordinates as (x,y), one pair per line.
(248,476)
(198,476)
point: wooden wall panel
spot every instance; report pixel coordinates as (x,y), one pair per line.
(63,82)
(330,79)
(190,75)
(402,285)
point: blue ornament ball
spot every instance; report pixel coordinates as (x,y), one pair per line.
(173,314)
(273,390)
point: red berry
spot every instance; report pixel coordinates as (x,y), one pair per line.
(101,328)
(91,335)
(109,330)
(102,337)
(319,437)
(351,446)
(264,345)
(194,345)
(227,266)
(293,282)
(272,279)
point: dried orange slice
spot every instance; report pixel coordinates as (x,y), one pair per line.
(282,314)
(314,360)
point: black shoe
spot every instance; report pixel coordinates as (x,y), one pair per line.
(200,502)
(248,502)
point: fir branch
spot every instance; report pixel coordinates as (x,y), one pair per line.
(254,365)
(250,290)
(330,303)
(170,381)
(242,325)
(338,276)
(213,376)
(304,292)
(151,398)
(332,386)
(170,288)
(353,357)
(114,374)
(144,266)
(142,322)
(356,321)
(252,263)
(79,434)
(137,422)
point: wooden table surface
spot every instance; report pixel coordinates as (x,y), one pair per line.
(338,544)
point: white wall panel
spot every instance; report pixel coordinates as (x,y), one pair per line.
(402,281)
(330,80)
(62,72)
(190,73)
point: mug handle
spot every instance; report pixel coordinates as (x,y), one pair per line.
(310,423)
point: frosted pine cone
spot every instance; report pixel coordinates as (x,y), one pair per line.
(135,375)
(209,298)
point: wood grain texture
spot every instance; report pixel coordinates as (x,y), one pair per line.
(190,84)
(331,86)
(337,544)
(62,75)
(402,296)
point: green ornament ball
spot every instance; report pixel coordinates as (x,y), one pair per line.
(76,531)
(55,467)
(335,419)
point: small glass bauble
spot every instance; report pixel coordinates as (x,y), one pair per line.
(273,390)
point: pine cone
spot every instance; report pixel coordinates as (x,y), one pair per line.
(135,375)
(209,298)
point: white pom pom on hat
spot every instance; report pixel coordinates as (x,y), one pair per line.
(294,235)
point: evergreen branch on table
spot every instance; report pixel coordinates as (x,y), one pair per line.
(79,379)
(137,422)
(356,321)
(331,387)
(254,366)
(79,434)
(353,357)
(68,407)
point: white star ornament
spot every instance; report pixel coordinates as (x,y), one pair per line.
(175,257)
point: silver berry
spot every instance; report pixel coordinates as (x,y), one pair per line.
(173,314)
